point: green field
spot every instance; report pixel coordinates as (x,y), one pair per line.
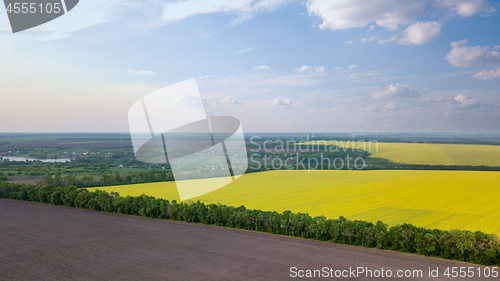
(433,199)
(429,154)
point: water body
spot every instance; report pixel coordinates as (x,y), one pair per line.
(21,159)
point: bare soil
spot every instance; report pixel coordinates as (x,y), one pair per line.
(45,242)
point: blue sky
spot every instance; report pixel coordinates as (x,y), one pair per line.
(277,65)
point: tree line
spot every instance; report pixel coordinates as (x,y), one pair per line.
(475,247)
(107,179)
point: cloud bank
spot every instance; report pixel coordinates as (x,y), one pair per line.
(391,14)
(465,56)
(488,74)
(142,72)
(243,9)
(283,103)
(420,33)
(397,90)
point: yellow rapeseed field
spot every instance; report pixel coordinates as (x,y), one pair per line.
(432,154)
(433,199)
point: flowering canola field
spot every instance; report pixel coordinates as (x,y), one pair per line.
(426,153)
(433,199)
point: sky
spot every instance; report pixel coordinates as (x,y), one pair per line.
(276,65)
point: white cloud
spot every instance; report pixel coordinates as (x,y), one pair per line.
(208,76)
(460,102)
(465,102)
(309,79)
(420,33)
(349,42)
(229,100)
(319,69)
(487,74)
(464,56)
(352,66)
(284,103)
(357,76)
(370,108)
(393,38)
(244,9)
(372,27)
(345,14)
(371,39)
(302,68)
(467,8)
(261,67)
(374,75)
(340,108)
(391,14)
(142,72)
(391,106)
(396,90)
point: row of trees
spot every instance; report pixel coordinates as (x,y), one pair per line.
(398,166)
(107,179)
(5,176)
(463,245)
